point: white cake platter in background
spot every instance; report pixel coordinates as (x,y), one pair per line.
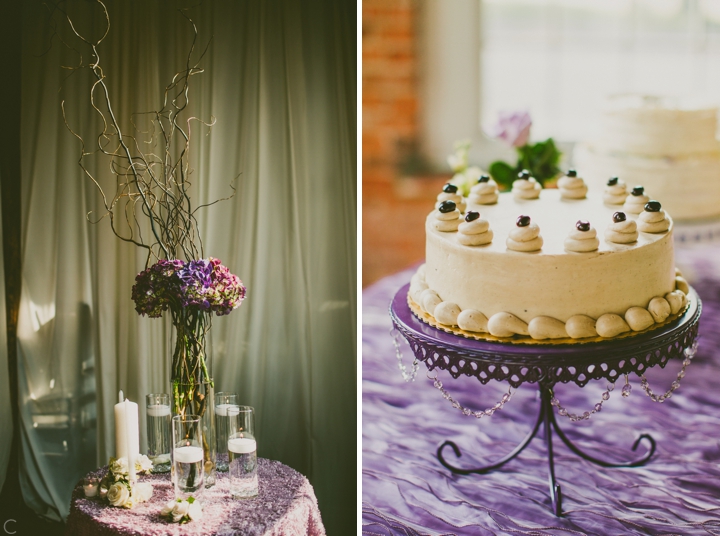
(697,232)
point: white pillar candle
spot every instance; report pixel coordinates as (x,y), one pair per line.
(132,456)
(127,432)
(242,445)
(188,454)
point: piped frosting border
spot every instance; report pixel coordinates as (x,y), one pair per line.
(506,327)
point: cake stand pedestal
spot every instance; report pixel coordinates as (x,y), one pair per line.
(545,365)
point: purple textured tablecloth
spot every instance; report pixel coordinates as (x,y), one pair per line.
(406,490)
(285,506)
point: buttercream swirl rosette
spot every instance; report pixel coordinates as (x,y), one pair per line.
(635,202)
(474,231)
(615,192)
(525,237)
(571,186)
(582,239)
(621,230)
(525,186)
(450,193)
(485,192)
(446,217)
(653,219)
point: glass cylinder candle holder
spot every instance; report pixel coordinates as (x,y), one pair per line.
(91,486)
(158,431)
(242,452)
(223,403)
(187,456)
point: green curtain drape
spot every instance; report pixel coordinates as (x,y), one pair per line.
(281,81)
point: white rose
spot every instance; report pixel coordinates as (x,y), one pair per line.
(180,510)
(143,491)
(143,464)
(119,467)
(167,508)
(132,501)
(118,494)
(195,511)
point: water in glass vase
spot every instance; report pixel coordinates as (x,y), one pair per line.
(223,413)
(188,469)
(242,453)
(158,429)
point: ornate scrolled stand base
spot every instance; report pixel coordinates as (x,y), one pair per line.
(546,365)
(546,418)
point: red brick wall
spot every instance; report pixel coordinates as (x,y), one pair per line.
(389,96)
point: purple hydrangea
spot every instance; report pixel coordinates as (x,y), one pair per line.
(155,288)
(204,285)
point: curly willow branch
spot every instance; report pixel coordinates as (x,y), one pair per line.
(151,172)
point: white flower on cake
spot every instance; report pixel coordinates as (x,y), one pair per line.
(474,231)
(447,217)
(571,186)
(525,236)
(621,230)
(635,202)
(484,192)
(450,193)
(653,219)
(615,192)
(582,239)
(525,186)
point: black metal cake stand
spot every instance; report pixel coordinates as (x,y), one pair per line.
(545,365)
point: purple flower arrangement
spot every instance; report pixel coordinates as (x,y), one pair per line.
(541,158)
(204,285)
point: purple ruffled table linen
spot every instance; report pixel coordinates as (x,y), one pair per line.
(285,506)
(407,492)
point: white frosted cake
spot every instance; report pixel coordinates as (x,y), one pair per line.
(672,151)
(548,264)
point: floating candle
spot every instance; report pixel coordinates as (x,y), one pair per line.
(188,454)
(242,445)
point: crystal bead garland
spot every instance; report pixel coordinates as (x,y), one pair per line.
(689,352)
(574,417)
(407,376)
(467,411)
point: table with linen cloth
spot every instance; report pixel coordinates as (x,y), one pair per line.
(285,506)
(405,489)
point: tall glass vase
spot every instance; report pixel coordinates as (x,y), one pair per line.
(193,389)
